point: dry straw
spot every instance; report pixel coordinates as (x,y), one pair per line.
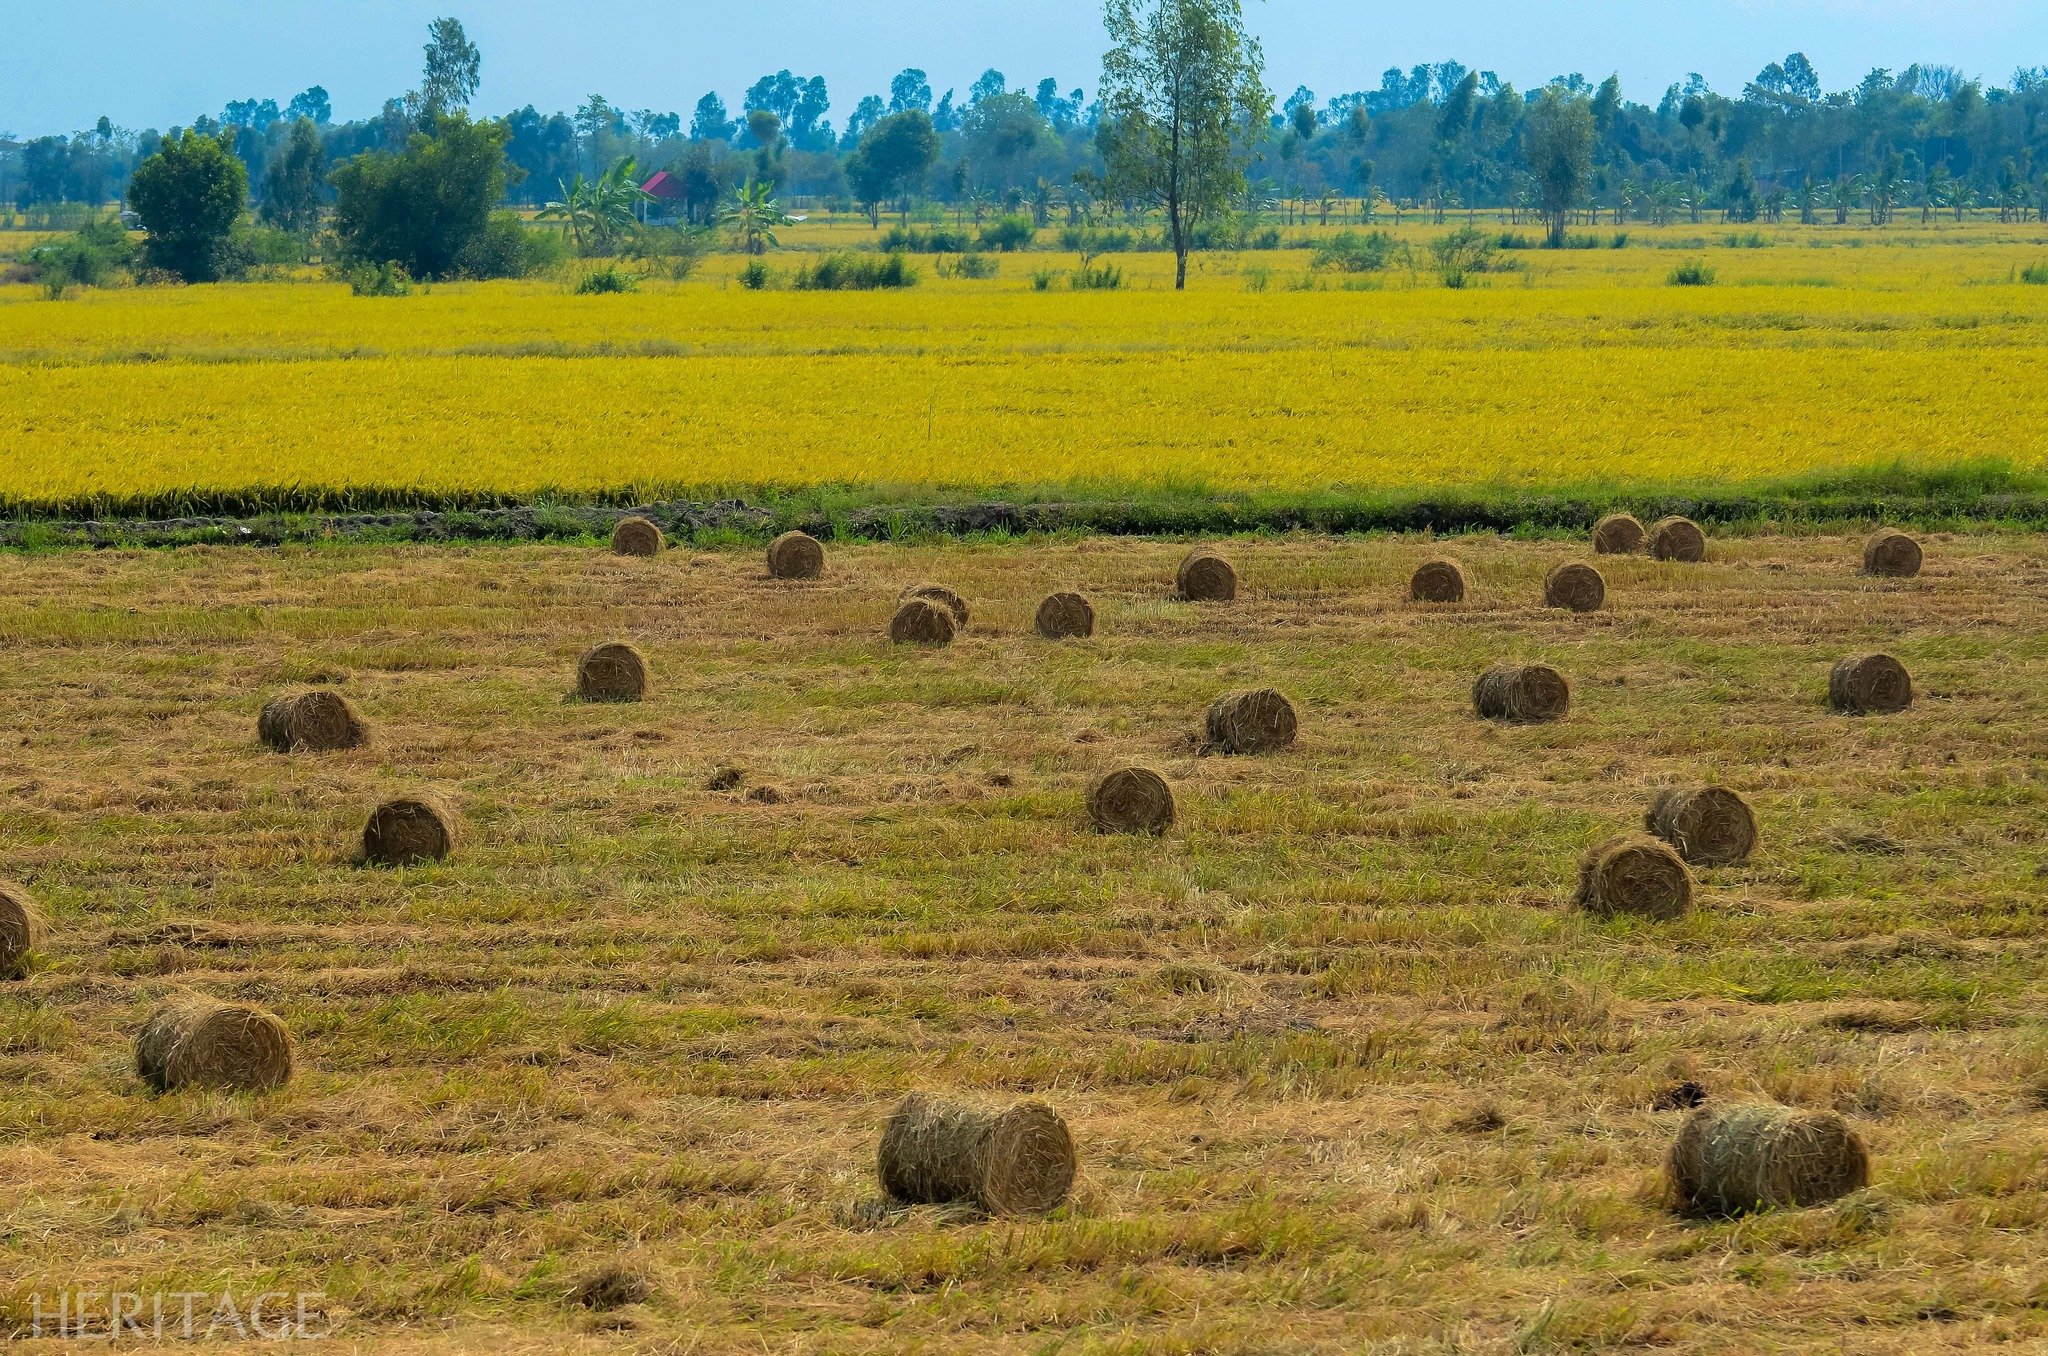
(795,555)
(1066,616)
(317,721)
(1732,1159)
(1206,577)
(614,672)
(1437,581)
(922,621)
(1711,826)
(1891,555)
(1641,877)
(1011,1162)
(636,536)
(1522,694)
(407,831)
(1131,800)
(22,929)
(940,594)
(1575,586)
(1870,685)
(201,1042)
(1618,534)
(1259,721)
(1678,539)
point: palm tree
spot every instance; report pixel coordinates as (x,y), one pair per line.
(600,213)
(753,214)
(1844,195)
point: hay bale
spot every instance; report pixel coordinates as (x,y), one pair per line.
(613,672)
(1870,685)
(22,929)
(316,721)
(1015,1161)
(939,593)
(1259,721)
(1677,539)
(1522,694)
(1731,1159)
(202,1042)
(1066,615)
(1618,534)
(1576,586)
(1206,577)
(1711,826)
(1131,800)
(922,621)
(407,831)
(1891,555)
(1634,875)
(1437,581)
(636,536)
(795,555)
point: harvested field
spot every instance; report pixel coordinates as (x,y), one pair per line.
(1344,1069)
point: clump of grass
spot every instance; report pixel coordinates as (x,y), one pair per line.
(755,276)
(378,280)
(976,266)
(1257,279)
(849,272)
(2037,274)
(1043,279)
(1692,273)
(607,281)
(1092,278)
(1356,252)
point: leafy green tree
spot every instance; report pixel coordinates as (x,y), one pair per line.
(892,158)
(454,68)
(84,259)
(424,206)
(291,182)
(1183,101)
(189,196)
(1560,134)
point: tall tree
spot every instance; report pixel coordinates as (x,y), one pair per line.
(893,157)
(189,196)
(454,68)
(709,122)
(422,207)
(1560,133)
(291,182)
(1183,98)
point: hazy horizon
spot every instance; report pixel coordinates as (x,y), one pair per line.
(70,65)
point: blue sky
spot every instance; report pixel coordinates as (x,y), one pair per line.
(63,63)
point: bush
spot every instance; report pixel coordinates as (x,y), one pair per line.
(1008,234)
(505,248)
(1692,273)
(975,266)
(1356,252)
(2035,273)
(87,259)
(1751,240)
(1106,278)
(1081,240)
(1461,253)
(606,281)
(849,272)
(1043,279)
(674,250)
(1515,240)
(1620,241)
(935,241)
(1257,279)
(377,280)
(755,276)
(252,245)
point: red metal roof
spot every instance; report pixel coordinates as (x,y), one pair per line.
(663,186)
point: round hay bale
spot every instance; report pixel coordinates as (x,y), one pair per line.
(922,621)
(1711,826)
(1870,685)
(1677,539)
(317,721)
(1891,555)
(1011,1162)
(1206,577)
(1618,534)
(23,928)
(1522,694)
(407,831)
(795,555)
(1259,721)
(1065,616)
(1575,586)
(636,536)
(939,593)
(1131,800)
(1728,1160)
(1634,875)
(1437,581)
(613,672)
(201,1042)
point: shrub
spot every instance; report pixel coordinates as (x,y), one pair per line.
(1752,240)
(934,241)
(975,266)
(377,280)
(1620,241)
(1461,253)
(849,272)
(1356,252)
(1044,278)
(507,249)
(2035,273)
(755,276)
(1692,273)
(1082,240)
(251,245)
(87,259)
(1515,240)
(606,281)
(1008,234)
(1106,278)
(1257,279)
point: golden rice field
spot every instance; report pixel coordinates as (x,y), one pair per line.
(1828,349)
